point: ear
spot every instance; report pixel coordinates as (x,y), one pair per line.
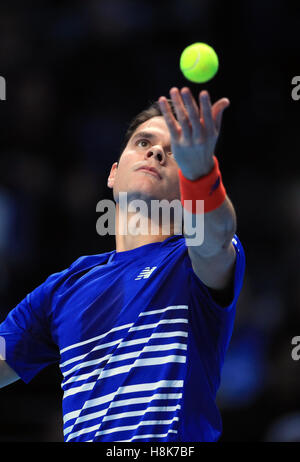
(111,178)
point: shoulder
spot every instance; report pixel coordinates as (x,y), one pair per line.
(68,275)
(89,261)
(84,264)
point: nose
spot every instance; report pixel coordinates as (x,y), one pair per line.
(158,153)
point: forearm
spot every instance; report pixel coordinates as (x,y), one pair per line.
(7,374)
(194,135)
(219,226)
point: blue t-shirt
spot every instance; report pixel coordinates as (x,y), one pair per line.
(139,341)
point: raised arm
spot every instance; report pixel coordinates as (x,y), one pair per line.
(193,137)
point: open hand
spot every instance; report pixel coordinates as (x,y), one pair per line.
(194,135)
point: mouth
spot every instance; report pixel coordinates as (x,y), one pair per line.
(152,171)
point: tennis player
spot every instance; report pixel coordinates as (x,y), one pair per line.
(140,332)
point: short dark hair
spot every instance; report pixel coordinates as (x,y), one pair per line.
(151,111)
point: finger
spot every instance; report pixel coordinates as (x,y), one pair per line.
(206,113)
(170,120)
(217,111)
(193,113)
(181,113)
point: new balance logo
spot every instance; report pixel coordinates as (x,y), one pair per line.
(215,186)
(145,273)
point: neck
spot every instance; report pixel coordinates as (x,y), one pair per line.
(134,229)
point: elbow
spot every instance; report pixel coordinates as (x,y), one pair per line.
(230,228)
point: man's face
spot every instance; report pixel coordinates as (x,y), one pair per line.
(148,148)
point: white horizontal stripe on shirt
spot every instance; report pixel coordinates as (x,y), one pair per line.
(84,418)
(163,310)
(124,326)
(97,347)
(92,362)
(146,349)
(123,402)
(122,428)
(146,399)
(123,344)
(125,389)
(152,336)
(85,387)
(122,415)
(151,435)
(84,342)
(132,427)
(122,370)
(143,362)
(111,358)
(162,321)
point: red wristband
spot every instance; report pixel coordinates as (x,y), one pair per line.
(208,188)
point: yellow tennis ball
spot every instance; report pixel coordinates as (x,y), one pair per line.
(199,62)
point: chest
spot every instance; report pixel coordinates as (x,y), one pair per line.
(106,298)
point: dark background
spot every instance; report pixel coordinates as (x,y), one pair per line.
(76,73)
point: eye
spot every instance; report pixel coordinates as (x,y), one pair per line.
(142,140)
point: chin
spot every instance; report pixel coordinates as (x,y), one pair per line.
(145,194)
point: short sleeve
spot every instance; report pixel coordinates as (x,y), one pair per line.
(26,332)
(202,293)
(212,324)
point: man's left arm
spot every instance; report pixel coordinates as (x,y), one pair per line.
(193,137)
